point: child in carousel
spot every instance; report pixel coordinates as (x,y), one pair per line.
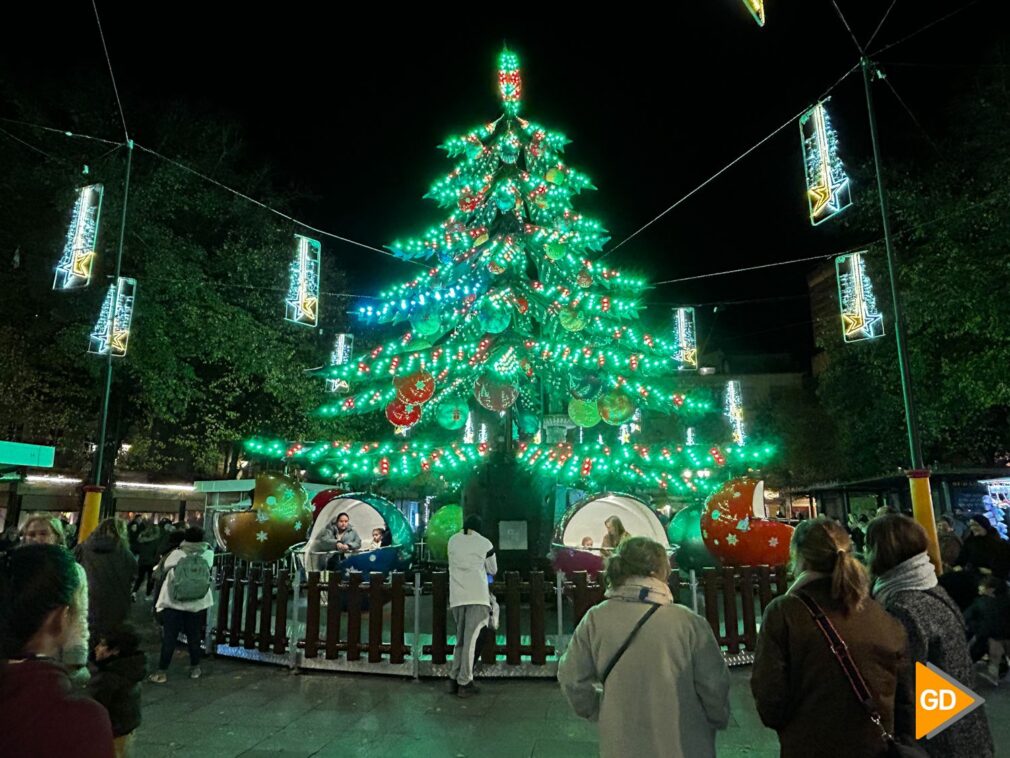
(377,535)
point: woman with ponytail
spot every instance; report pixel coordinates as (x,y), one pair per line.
(648,670)
(904,582)
(800,688)
(43,612)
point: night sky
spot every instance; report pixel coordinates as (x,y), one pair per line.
(350,109)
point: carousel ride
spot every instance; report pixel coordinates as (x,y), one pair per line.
(578,538)
(282,522)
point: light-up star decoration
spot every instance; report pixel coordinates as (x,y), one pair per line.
(861,318)
(828,190)
(733,410)
(757,10)
(302,303)
(686,353)
(78,259)
(112,330)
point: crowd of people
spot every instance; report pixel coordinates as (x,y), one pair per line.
(834,663)
(835,658)
(68,654)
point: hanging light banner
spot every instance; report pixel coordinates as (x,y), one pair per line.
(343,347)
(757,10)
(302,303)
(74,268)
(827,183)
(861,318)
(112,331)
(734,411)
(686,353)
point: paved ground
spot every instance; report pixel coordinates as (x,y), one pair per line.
(250,710)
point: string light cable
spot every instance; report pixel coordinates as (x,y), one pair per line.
(728,166)
(275,211)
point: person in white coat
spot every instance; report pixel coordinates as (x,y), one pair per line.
(471,563)
(667,693)
(183,600)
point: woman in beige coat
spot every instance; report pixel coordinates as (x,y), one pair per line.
(669,692)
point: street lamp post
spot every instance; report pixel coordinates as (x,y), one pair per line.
(918,475)
(93,492)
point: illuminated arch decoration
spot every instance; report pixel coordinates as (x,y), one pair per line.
(757,10)
(861,318)
(78,259)
(343,349)
(828,192)
(302,303)
(112,331)
(686,339)
(734,411)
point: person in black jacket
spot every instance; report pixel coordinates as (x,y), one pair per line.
(121,668)
(988,621)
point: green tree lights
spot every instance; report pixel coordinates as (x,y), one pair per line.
(513,320)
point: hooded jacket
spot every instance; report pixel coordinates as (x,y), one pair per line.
(111,568)
(146,546)
(116,686)
(165,594)
(39,717)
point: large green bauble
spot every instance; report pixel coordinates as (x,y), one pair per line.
(425,324)
(583,412)
(685,534)
(572,320)
(494,319)
(451,414)
(615,407)
(556,250)
(444,523)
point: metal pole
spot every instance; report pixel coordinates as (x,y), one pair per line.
(115,294)
(914,442)
(415,649)
(293,624)
(922,501)
(559,597)
(693,584)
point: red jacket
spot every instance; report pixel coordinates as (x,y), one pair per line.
(40,717)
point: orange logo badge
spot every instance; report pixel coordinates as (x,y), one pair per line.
(940,700)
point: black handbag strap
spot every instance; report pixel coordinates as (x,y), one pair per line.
(841,653)
(641,622)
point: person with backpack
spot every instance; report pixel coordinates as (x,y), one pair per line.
(184,597)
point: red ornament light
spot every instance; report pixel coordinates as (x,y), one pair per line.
(401,414)
(415,388)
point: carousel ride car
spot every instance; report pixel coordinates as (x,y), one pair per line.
(578,538)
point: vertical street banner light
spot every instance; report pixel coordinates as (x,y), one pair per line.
(918,475)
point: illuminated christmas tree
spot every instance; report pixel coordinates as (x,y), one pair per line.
(512,327)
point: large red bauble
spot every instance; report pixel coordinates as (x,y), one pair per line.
(279,518)
(735,531)
(414,388)
(322,499)
(615,407)
(494,393)
(402,414)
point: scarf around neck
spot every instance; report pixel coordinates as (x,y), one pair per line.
(642,589)
(917,573)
